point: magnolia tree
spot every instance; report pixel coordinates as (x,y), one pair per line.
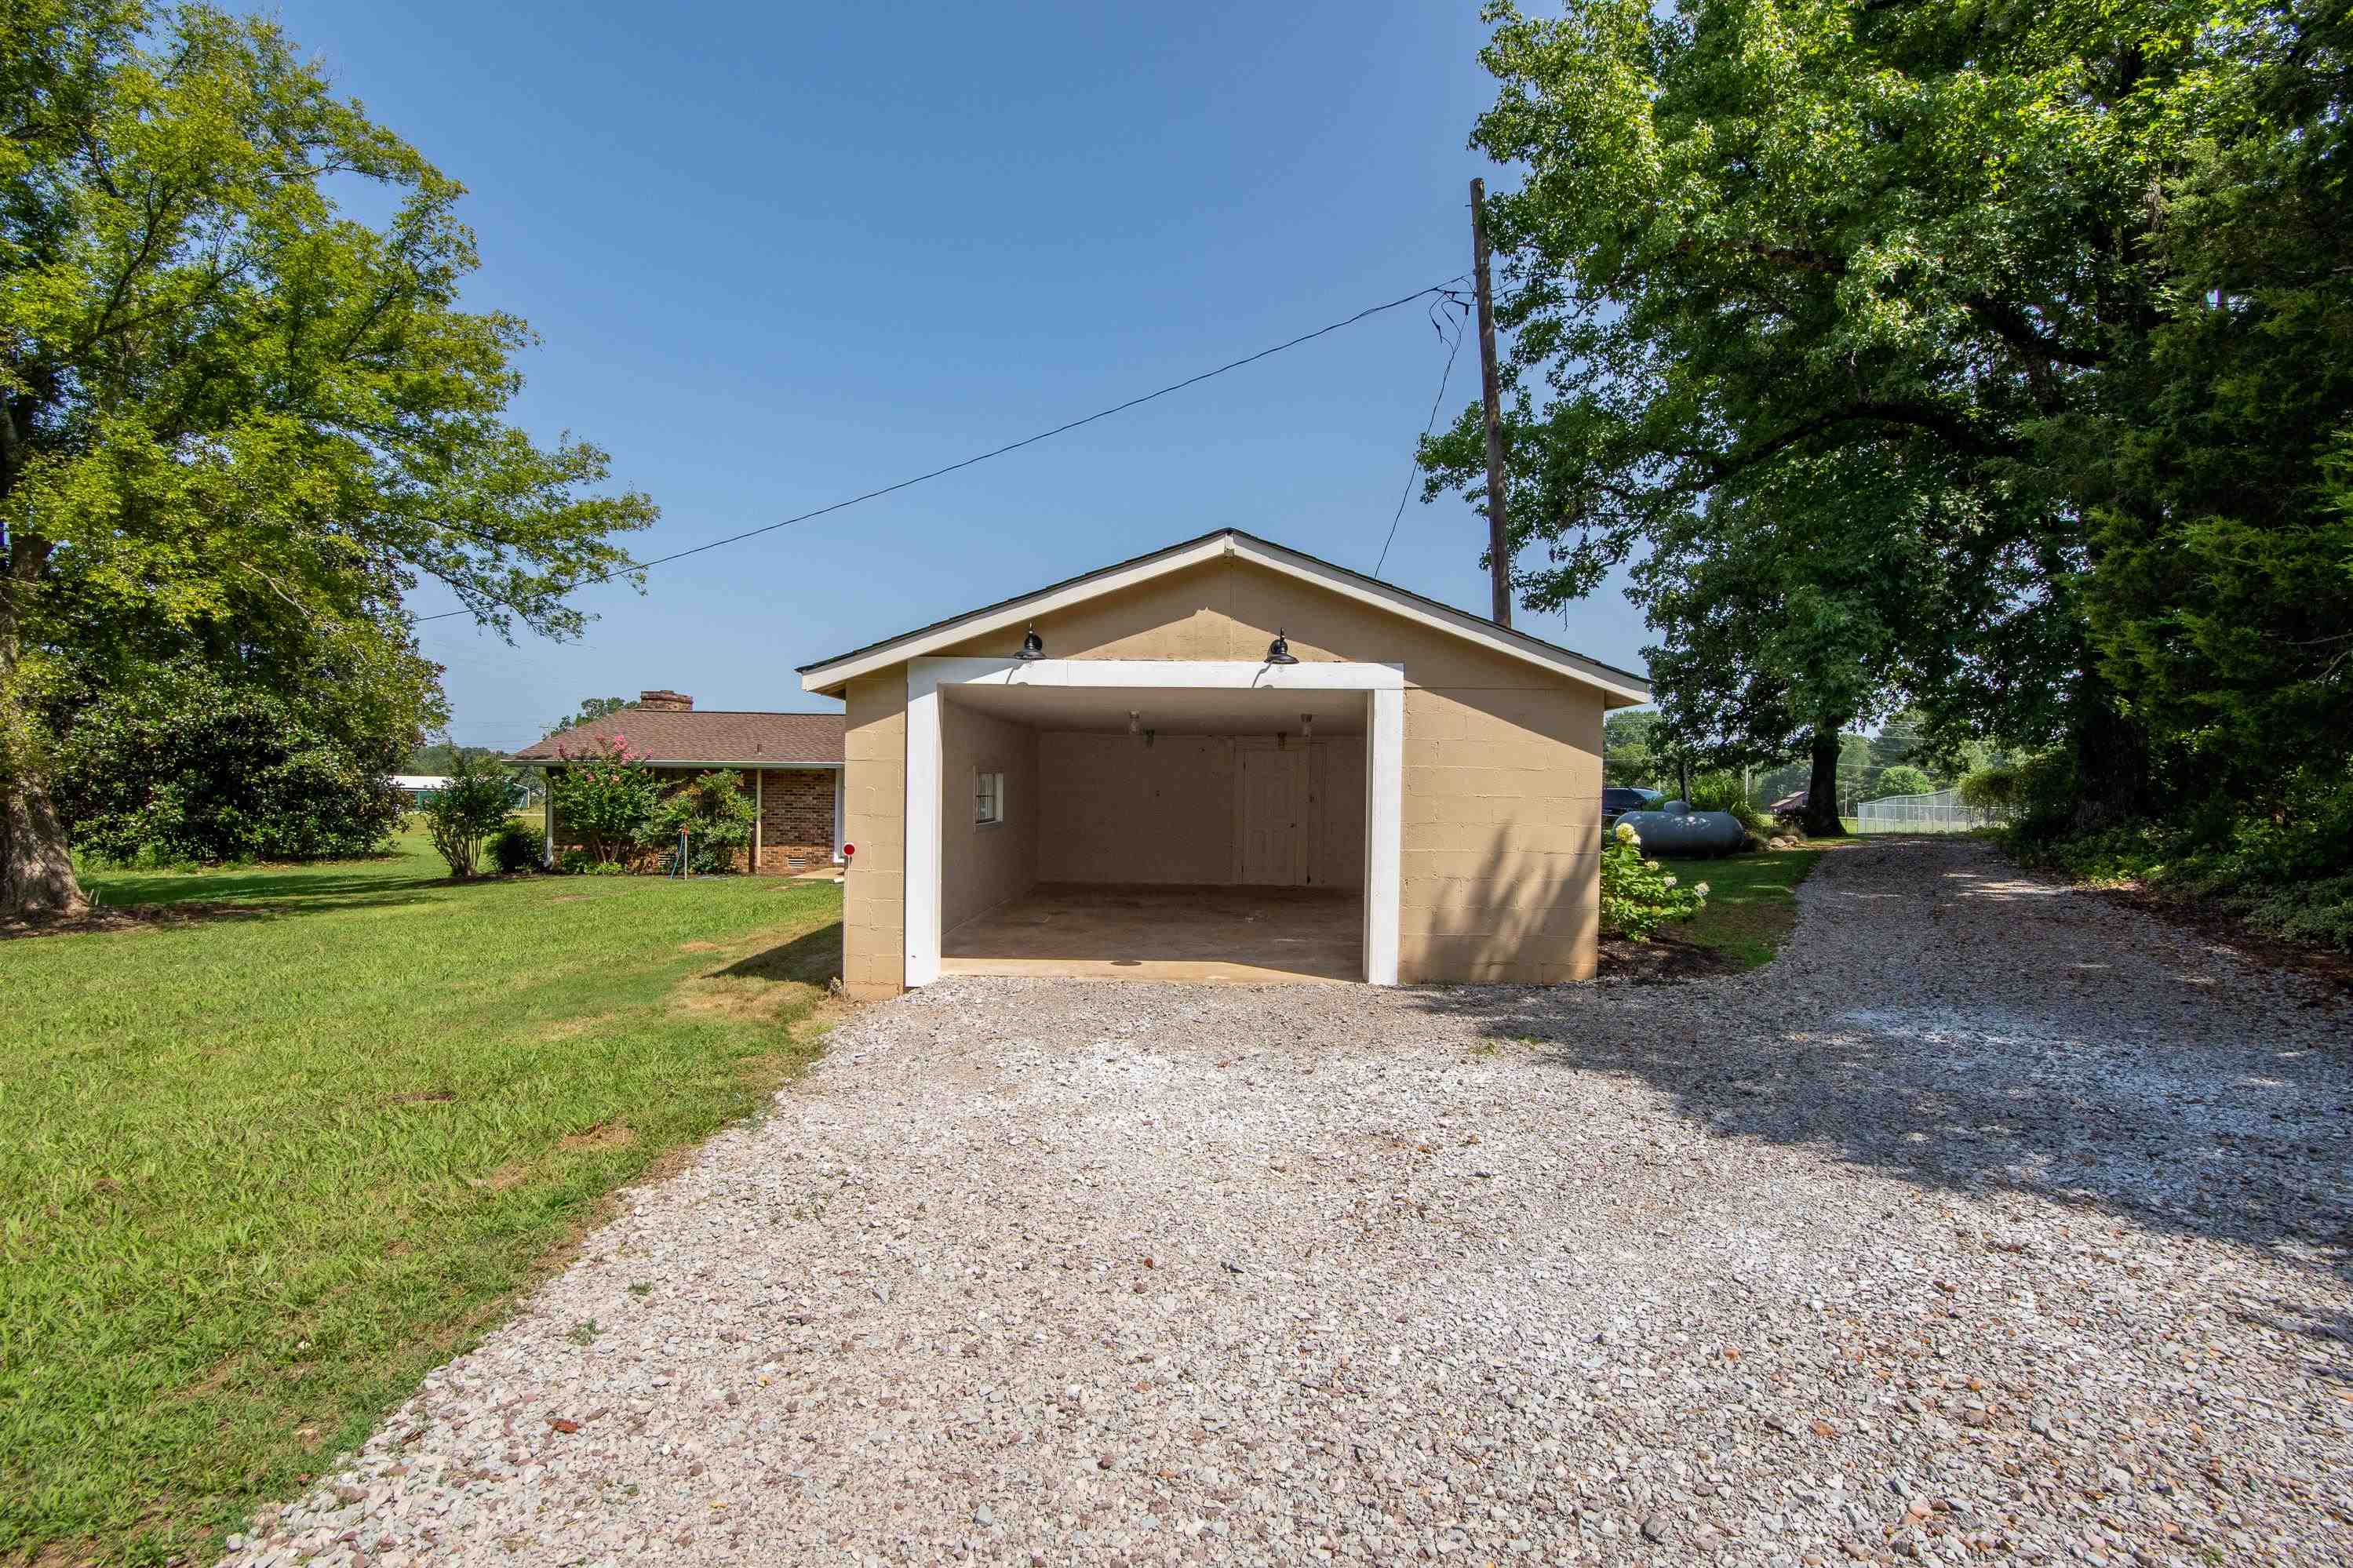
(605,795)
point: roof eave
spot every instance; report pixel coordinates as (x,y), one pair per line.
(830,678)
(521,761)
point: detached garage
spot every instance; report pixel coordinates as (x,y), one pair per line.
(1224,760)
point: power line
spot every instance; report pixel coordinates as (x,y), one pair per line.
(1428,425)
(1442,289)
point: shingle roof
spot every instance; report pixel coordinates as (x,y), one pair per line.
(1630,685)
(706,735)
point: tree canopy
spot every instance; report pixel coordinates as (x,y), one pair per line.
(1988,358)
(238,423)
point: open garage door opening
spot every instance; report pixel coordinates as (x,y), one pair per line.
(1152,833)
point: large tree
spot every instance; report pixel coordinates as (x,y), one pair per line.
(2013,267)
(227,405)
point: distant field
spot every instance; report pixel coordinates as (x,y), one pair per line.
(259,1172)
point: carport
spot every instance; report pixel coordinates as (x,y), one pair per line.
(1098,818)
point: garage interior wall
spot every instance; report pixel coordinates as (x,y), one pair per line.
(1171,814)
(1503,760)
(983,865)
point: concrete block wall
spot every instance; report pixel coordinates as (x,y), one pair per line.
(1503,771)
(875,819)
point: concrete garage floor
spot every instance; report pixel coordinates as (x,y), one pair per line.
(1124,931)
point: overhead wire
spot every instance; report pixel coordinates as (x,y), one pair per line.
(1428,424)
(1445,290)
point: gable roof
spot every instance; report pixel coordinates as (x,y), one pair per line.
(830,674)
(706,736)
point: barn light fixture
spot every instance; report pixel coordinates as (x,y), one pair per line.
(1032,644)
(1279,651)
(1134,722)
(1307,726)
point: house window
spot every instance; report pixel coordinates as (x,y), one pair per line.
(987,797)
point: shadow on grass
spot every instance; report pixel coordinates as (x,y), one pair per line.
(811,959)
(307,885)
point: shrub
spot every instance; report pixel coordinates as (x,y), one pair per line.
(465,812)
(1993,789)
(2287,869)
(605,796)
(1719,790)
(714,813)
(515,847)
(1723,791)
(1639,896)
(578,862)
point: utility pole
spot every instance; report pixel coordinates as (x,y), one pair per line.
(1491,389)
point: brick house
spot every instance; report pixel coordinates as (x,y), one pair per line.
(793,761)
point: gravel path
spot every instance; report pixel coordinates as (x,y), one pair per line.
(1990,1222)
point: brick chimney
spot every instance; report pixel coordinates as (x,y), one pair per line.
(665,702)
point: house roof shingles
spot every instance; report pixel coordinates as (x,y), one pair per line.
(713,735)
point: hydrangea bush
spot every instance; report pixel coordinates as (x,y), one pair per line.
(1638,894)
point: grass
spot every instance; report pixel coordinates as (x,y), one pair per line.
(1752,902)
(260,1172)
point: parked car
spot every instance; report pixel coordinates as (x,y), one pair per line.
(1618,799)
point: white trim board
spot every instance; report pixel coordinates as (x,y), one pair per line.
(691,762)
(831,676)
(1384,770)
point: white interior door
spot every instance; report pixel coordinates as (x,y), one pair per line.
(1274,818)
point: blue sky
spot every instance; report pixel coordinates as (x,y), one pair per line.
(778,255)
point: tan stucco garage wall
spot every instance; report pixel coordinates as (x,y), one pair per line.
(1503,765)
(1113,811)
(875,819)
(984,865)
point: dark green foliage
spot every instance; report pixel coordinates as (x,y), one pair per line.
(515,847)
(1629,753)
(2285,870)
(1996,363)
(232,403)
(715,812)
(181,767)
(440,757)
(1902,779)
(578,862)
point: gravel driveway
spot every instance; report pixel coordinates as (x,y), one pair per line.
(1991,1221)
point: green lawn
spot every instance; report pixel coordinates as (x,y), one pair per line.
(1752,903)
(259,1172)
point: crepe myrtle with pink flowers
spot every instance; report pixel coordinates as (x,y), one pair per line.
(604,794)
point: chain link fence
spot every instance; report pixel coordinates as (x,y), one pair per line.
(1939,812)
